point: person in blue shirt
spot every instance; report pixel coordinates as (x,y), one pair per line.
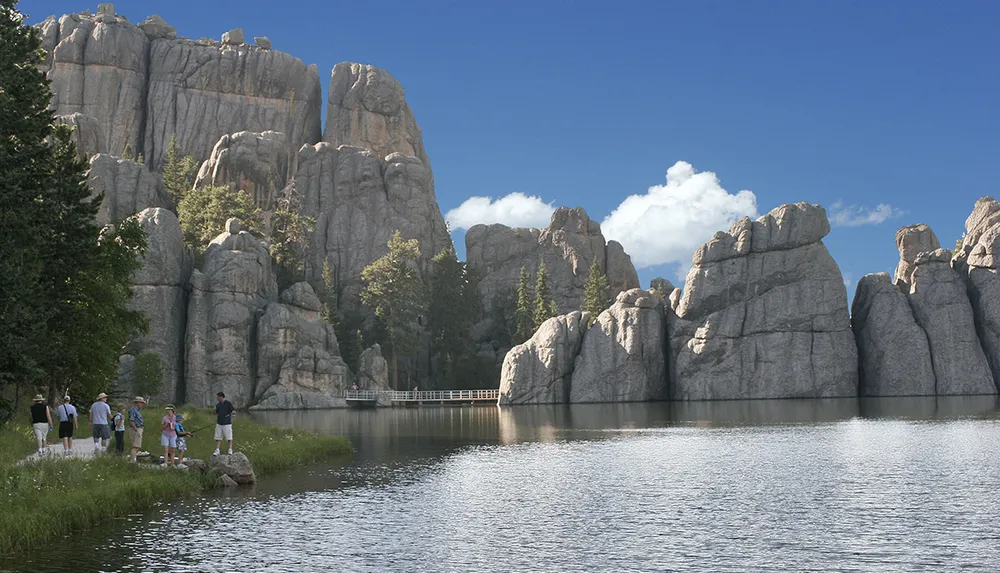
(182,436)
(224,422)
(136,425)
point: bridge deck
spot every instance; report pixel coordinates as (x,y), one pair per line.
(440,396)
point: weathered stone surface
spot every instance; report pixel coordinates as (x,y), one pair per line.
(358,202)
(911,241)
(263,42)
(567,247)
(86,133)
(228,294)
(253,162)
(128,187)
(979,261)
(769,323)
(236,466)
(155,27)
(233,37)
(373,373)
(159,292)
(539,371)
(197,466)
(893,354)
(941,307)
(623,355)
(226,481)
(298,360)
(366,107)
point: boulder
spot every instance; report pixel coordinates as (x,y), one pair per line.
(770,321)
(893,354)
(155,27)
(236,466)
(228,295)
(623,355)
(539,371)
(567,246)
(263,42)
(911,241)
(257,163)
(226,481)
(942,308)
(233,37)
(303,299)
(197,466)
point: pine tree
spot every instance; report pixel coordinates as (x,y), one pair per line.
(289,236)
(453,308)
(596,291)
(544,305)
(393,290)
(203,213)
(179,171)
(523,312)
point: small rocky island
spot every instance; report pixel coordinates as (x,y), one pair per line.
(762,314)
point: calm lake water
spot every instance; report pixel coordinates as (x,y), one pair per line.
(817,485)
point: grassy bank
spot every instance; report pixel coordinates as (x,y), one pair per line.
(46,499)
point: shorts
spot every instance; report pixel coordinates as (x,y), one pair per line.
(168,441)
(65,429)
(224,432)
(101,432)
(136,437)
(182,444)
(40,429)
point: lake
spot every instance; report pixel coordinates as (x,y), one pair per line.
(803,485)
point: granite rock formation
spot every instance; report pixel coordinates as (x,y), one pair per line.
(911,241)
(128,187)
(373,374)
(764,314)
(257,163)
(539,371)
(980,261)
(623,355)
(228,294)
(567,246)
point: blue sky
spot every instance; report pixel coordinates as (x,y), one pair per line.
(585,103)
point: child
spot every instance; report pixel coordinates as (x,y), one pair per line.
(119,421)
(182,435)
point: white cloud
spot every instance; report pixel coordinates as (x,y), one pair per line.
(848,280)
(670,221)
(855,215)
(514,210)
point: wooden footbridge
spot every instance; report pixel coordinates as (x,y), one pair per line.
(363,398)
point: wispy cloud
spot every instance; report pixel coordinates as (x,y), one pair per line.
(667,223)
(856,215)
(848,280)
(514,210)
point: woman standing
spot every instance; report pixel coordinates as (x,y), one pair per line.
(67,424)
(168,438)
(119,421)
(41,421)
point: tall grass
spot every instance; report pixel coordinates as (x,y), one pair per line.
(53,497)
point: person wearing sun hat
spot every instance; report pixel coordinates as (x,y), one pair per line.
(100,413)
(136,425)
(41,422)
(168,435)
(68,422)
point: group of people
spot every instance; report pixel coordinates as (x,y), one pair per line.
(173,435)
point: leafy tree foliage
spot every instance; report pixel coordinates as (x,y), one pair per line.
(394,291)
(288,235)
(524,312)
(453,308)
(64,285)
(203,213)
(148,374)
(345,325)
(596,291)
(545,307)
(179,171)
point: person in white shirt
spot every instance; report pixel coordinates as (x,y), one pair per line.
(67,423)
(100,413)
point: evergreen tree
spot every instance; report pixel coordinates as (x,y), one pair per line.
(289,236)
(179,171)
(394,291)
(545,307)
(596,291)
(345,327)
(452,310)
(524,312)
(203,213)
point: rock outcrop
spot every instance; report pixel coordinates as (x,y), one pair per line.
(298,360)
(228,295)
(257,163)
(893,354)
(567,246)
(373,374)
(980,260)
(911,241)
(159,290)
(143,85)
(128,187)
(539,371)
(623,355)
(764,314)
(236,466)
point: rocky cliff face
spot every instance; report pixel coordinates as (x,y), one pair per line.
(567,246)
(128,187)
(911,241)
(539,371)
(143,85)
(764,314)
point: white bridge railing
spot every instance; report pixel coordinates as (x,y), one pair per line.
(423,395)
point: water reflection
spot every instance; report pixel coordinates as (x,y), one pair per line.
(869,485)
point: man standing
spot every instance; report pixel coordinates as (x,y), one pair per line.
(136,425)
(223,423)
(100,412)
(41,422)
(67,423)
